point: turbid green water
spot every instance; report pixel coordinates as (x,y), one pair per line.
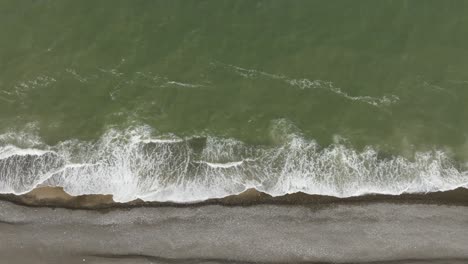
(327,97)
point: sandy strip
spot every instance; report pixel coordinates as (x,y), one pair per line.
(49,226)
(265,233)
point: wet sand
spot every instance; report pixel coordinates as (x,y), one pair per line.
(251,228)
(56,197)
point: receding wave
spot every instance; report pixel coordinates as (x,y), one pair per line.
(131,164)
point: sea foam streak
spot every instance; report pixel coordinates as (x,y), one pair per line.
(304,83)
(222,165)
(130,164)
(9,151)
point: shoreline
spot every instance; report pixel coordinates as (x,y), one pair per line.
(56,197)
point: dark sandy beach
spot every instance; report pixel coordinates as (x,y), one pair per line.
(252,228)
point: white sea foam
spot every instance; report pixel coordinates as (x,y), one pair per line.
(9,151)
(222,165)
(131,164)
(163,140)
(21,170)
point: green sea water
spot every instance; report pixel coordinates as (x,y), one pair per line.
(391,76)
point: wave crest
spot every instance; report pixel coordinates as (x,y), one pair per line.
(131,164)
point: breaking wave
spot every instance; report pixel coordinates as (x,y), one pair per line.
(131,164)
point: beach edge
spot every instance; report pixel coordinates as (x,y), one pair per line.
(46,196)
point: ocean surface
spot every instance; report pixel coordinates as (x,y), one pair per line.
(189,100)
